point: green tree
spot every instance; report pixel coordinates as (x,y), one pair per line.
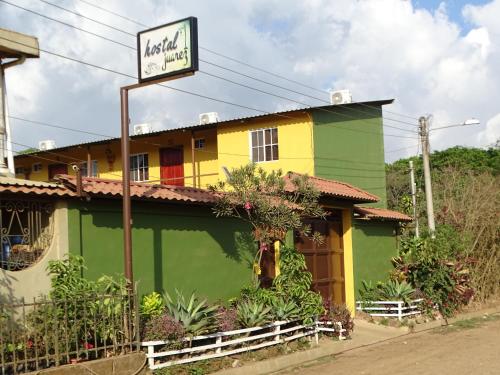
(272,205)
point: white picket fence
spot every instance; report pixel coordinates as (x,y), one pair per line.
(228,343)
(390,309)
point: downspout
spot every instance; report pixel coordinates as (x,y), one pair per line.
(5,133)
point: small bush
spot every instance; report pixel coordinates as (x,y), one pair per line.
(227,319)
(163,327)
(152,305)
(338,313)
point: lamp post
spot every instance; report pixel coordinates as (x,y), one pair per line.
(424,124)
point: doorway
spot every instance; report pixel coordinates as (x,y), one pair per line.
(325,260)
(55,169)
(172,166)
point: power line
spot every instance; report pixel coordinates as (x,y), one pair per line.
(159,84)
(233,71)
(66,24)
(200,95)
(159,145)
(401,149)
(239,61)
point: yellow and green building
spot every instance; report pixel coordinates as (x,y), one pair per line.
(180,244)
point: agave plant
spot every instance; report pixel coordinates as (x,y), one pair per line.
(393,289)
(253,314)
(284,310)
(197,317)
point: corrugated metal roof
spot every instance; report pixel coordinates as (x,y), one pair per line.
(212,125)
(334,188)
(381,213)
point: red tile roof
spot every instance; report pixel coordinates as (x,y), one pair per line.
(333,188)
(113,188)
(15,185)
(380,213)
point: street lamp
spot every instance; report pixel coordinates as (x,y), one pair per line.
(424,136)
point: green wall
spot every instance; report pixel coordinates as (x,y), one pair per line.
(374,244)
(174,246)
(349,147)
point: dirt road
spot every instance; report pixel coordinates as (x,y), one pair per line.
(457,350)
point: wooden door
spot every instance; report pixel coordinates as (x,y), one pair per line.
(55,169)
(325,260)
(172,166)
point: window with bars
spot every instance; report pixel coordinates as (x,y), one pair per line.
(95,170)
(264,145)
(139,167)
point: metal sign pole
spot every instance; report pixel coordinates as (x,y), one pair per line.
(127,212)
(165,53)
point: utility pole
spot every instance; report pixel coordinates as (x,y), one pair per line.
(424,136)
(414,199)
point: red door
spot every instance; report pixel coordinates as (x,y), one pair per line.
(172,166)
(55,169)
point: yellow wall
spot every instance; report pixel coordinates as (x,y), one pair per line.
(109,161)
(295,144)
(348,259)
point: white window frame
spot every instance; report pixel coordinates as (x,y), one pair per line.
(135,172)
(201,141)
(264,145)
(36,167)
(95,168)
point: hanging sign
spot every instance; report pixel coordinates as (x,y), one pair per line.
(168,51)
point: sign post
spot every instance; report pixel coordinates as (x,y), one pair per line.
(164,53)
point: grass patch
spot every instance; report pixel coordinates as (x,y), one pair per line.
(467,324)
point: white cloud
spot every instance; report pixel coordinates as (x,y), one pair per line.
(490,135)
(377,49)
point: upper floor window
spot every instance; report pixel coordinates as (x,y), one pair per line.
(199,143)
(264,144)
(94,171)
(37,167)
(139,167)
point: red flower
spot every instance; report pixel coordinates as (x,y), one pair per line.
(247,206)
(88,345)
(29,344)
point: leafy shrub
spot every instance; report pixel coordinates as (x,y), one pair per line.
(439,271)
(196,316)
(227,319)
(152,305)
(369,292)
(163,327)
(252,314)
(338,313)
(294,284)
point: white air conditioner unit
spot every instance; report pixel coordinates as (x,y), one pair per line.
(208,117)
(48,144)
(340,97)
(142,129)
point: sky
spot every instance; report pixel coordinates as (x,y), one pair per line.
(432,57)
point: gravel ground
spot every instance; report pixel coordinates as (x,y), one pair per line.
(467,347)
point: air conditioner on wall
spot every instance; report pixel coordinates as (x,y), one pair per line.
(142,129)
(48,144)
(208,117)
(340,97)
